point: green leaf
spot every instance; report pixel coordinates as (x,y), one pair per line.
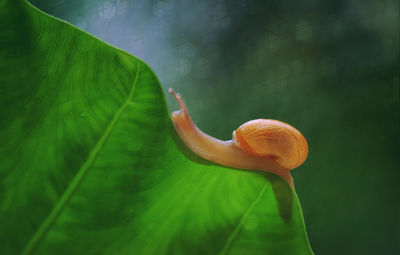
(90,163)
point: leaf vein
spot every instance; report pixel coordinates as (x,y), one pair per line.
(52,217)
(240,224)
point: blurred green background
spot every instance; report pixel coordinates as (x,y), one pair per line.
(329,68)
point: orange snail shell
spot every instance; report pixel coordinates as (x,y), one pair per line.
(272,138)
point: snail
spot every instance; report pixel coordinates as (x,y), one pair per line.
(261,144)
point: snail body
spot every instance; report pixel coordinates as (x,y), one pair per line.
(261,144)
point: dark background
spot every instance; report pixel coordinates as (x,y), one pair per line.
(329,68)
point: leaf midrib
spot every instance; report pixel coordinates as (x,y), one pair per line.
(58,208)
(238,227)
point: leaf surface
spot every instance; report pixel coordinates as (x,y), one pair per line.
(90,163)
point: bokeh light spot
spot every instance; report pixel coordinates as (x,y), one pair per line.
(107,10)
(274,42)
(297,66)
(303,30)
